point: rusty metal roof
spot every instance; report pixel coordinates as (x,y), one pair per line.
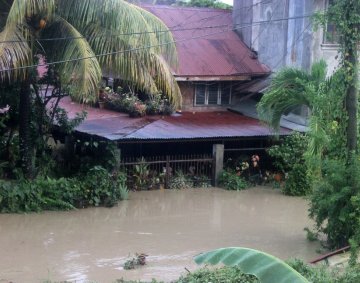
(206,43)
(186,126)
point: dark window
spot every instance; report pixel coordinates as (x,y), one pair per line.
(200,94)
(225,94)
(212,94)
(331,35)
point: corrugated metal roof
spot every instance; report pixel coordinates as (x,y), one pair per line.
(189,125)
(204,51)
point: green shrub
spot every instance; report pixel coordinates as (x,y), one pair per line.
(97,187)
(180,181)
(37,195)
(288,157)
(219,275)
(297,182)
(334,204)
(316,274)
(231,181)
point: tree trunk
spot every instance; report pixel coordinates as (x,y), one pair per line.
(25,147)
(351,103)
(350,65)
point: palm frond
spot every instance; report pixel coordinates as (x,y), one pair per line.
(318,72)
(288,89)
(14,52)
(164,37)
(22,10)
(84,75)
(166,81)
(116,26)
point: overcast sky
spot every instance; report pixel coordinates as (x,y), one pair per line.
(230,2)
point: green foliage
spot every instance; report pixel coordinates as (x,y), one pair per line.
(318,274)
(39,194)
(203,3)
(230,180)
(297,182)
(219,275)
(267,268)
(68,125)
(334,203)
(101,188)
(133,262)
(289,152)
(322,274)
(289,158)
(179,181)
(130,102)
(141,175)
(97,187)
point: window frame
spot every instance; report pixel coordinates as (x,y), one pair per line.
(219,94)
(333,40)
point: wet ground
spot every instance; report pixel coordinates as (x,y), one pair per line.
(170,226)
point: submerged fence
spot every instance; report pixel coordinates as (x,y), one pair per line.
(156,172)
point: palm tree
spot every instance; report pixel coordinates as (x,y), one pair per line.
(84,39)
(293,87)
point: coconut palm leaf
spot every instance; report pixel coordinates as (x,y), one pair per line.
(291,88)
(267,268)
(147,70)
(14,52)
(166,81)
(119,28)
(83,75)
(23,10)
(163,35)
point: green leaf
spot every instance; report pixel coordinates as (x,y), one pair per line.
(267,268)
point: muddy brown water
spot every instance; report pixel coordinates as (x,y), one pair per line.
(170,226)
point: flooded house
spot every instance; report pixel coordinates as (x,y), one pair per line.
(217,74)
(220,78)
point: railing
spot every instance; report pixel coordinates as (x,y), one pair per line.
(151,172)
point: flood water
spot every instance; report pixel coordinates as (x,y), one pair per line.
(170,226)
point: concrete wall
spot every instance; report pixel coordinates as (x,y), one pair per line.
(328,52)
(242,19)
(281,43)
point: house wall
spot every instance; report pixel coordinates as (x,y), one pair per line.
(286,42)
(188,93)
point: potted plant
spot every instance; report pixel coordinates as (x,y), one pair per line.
(102,98)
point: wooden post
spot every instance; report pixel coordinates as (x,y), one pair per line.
(218,163)
(167,173)
(117,153)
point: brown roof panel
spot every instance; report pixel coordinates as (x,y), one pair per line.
(188,125)
(206,43)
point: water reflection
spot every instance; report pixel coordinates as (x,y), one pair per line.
(170,226)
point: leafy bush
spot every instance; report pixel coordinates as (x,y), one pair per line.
(333,204)
(37,195)
(97,187)
(219,275)
(322,274)
(318,274)
(100,188)
(297,182)
(230,180)
(180,181)
(136,107)
(289,158)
